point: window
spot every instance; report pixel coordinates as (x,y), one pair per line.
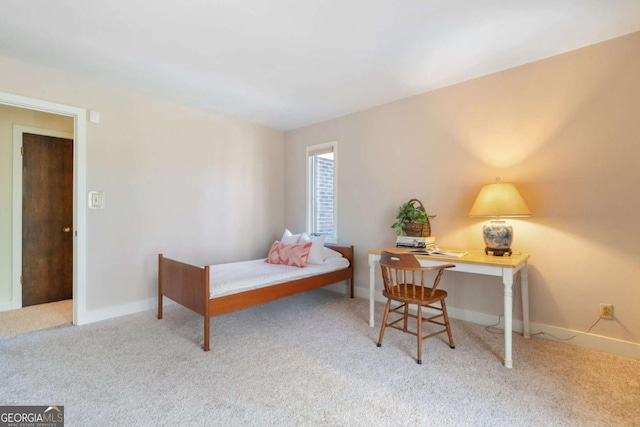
(322,190)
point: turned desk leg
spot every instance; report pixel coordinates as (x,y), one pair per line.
(524,287)
(507,280)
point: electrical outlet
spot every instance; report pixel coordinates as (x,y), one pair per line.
(606,311)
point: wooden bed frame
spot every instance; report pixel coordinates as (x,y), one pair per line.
(188,285)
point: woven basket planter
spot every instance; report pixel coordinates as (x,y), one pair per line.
(406,220)
(415,229)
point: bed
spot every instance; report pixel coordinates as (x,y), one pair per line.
(190,285)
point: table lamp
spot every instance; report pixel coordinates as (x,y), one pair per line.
(499,199)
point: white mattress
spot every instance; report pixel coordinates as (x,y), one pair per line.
(235,277)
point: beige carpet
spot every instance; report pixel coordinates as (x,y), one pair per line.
(36,317)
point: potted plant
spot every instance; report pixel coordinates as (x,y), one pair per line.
(413,220)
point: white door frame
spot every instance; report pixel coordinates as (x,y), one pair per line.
(79,116)
(16,246)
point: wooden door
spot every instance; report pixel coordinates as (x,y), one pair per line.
(47,219)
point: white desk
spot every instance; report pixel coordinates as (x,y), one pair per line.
(475,262)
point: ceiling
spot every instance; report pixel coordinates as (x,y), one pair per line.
(289,63)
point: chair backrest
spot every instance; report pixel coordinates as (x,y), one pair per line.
(405,278)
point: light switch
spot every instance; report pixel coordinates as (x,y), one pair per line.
(96,199)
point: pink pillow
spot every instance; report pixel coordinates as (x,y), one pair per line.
(294,255)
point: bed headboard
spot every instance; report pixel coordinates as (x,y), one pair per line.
(346,251)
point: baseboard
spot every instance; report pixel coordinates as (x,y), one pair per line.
(6,305)
(152,304)
(123,310)
(591,341)
(340,288)
(588,341)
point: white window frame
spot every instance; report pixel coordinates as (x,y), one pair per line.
(326,146)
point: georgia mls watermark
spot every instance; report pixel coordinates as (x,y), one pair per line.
(31,416)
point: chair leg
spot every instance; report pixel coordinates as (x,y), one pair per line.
(406,316)
(419,335)
(384,321)
(446,322)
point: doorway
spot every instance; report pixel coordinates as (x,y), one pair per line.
(47,218)
(79,227)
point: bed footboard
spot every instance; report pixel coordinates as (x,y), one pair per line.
(186,284)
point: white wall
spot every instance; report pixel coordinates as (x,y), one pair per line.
(565,130)
(192,184)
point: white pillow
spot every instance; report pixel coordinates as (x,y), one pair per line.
(288,238)
(317,246)
(330,253)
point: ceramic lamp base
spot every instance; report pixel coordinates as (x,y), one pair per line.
(498,236)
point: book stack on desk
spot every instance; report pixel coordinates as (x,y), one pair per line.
(416,242)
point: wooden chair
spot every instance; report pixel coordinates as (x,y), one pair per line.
(405,281)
